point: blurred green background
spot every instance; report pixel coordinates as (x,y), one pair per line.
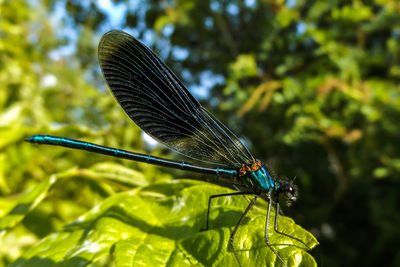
(312,87)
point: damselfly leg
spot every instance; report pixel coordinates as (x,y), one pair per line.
(223,195)
(277,210)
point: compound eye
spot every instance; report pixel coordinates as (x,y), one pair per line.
(290,191)
(290,194)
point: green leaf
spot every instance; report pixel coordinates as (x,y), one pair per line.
(14,209)
(118,173)
(161,225)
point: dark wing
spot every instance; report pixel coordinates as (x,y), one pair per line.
(155,99)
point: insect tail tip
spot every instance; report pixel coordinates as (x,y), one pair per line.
(31,139)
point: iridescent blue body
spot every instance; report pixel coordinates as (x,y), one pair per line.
(260,180)
(120,153)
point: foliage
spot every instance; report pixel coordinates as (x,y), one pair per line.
(160,225)
(311,86)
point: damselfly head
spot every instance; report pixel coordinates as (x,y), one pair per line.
(289,191)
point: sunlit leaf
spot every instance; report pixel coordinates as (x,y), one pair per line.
(14,209)
(163,225)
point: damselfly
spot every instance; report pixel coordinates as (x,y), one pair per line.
(155,99)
